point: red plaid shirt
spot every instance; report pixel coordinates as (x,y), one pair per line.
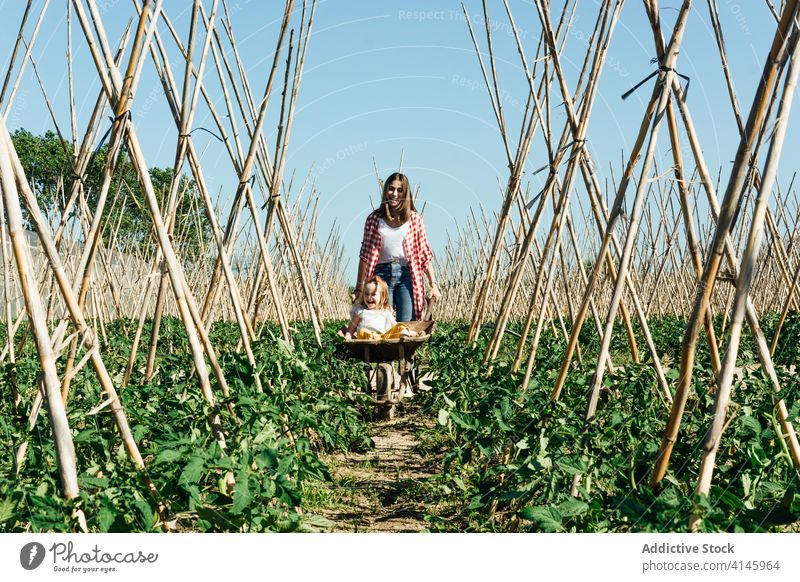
(415,244)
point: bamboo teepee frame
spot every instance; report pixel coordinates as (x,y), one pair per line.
(87,286)
(651,263)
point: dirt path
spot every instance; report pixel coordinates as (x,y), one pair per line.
(381,490)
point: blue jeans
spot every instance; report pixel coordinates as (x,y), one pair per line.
(398,279)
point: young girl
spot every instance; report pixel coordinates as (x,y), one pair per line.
(371,316)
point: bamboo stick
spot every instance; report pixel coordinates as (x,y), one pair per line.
(28,49)
(62,435)
(17,42)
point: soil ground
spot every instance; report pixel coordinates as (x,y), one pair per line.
(381,490)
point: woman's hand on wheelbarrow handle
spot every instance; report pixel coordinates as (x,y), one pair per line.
(435,293)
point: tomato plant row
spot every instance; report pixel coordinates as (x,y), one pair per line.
(311,404)
(511,459)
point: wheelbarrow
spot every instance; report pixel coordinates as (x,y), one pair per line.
(390,366)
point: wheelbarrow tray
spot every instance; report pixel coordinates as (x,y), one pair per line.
(391,350)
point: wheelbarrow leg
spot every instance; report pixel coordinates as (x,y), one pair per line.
(413,373)
(407,373)
(388,390)
(372,374)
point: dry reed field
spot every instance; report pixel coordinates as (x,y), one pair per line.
(610,354)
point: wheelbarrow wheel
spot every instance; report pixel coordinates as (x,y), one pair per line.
(384,379)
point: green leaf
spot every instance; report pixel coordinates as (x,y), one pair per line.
(267,433)
(572,507)
(193,470)
(45,503)
(794,505)
(148,515)
(85,435)
(572,465)
(285,346)
(241,493)
(476,502)
(731,500)
(463,420)
(443,416)
(105,516)
(168,456)
(222,520)
(194,493)
(747,481)
(547,518)
(269,489)
(87,481)
(267,458)
(748,425)
(498,415)
(541,463)
(543,442)
(7,507)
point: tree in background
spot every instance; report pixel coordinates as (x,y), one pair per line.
(47,161)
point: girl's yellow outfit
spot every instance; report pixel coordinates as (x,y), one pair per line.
(394,332)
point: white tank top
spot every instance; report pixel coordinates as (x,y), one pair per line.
(392,238)
(377,320)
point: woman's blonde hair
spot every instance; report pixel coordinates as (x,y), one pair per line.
(406,208)
(383,289)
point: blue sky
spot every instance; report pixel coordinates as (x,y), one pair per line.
(384,77)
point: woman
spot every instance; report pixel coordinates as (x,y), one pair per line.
(395,247)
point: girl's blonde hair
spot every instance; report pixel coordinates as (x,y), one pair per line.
(383,289)
(406,208)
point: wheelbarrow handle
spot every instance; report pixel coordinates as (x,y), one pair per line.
(427,314)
